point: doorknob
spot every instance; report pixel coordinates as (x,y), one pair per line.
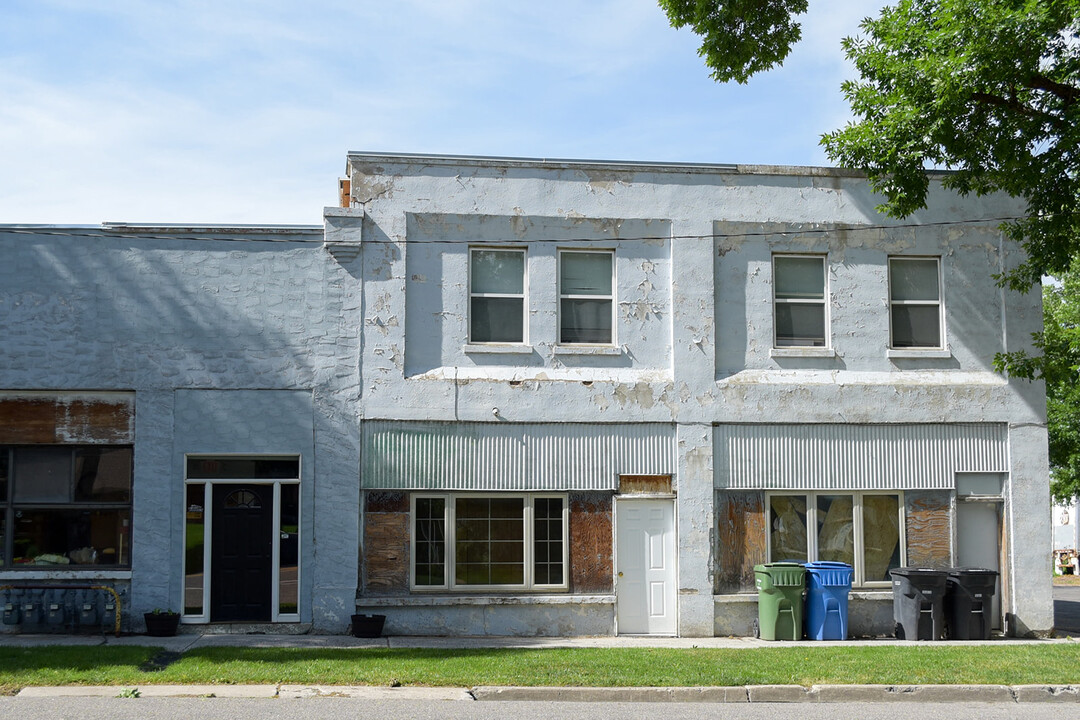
(620,574)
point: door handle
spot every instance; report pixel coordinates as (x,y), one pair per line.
(620,574)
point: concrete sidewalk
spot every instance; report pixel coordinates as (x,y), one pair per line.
(185,642)
(735,694)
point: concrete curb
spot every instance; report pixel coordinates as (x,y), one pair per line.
(727,694)
(230,691)
(372,692)
(791,694)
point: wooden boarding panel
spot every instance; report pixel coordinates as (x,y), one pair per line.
(741,534)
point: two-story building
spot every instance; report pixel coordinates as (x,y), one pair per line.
(526,397)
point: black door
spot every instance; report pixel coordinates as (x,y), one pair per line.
(241,563)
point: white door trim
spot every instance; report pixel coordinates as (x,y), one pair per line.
(669,623)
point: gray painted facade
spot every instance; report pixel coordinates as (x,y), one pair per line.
(349,348)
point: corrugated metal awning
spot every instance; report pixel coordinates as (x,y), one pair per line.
(856,457)
(512,456)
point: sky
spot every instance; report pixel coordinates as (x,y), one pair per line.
(243,111)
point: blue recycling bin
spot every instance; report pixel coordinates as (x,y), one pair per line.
(827,588)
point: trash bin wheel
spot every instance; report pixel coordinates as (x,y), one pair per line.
(757,630)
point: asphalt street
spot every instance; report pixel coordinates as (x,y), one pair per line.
(1067,610)
(354,708)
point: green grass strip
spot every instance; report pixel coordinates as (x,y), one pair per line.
(889,665)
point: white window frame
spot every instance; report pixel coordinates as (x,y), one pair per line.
(449,518)
(561,296)
(208,527)
(940,303)
(859,579)
(824,301)
(523,296)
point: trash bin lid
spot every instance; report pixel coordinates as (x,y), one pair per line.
(826,573)
(917,572)
(962,571)
(783,574)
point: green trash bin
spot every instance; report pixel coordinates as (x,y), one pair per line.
(780,600)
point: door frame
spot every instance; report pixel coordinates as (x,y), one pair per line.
(663,497)
(208,533)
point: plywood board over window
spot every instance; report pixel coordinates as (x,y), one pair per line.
(386,543)
(740,518)
(62,419)
(927,526)
(645,485)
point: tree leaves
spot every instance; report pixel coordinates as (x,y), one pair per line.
(739,37)
(986,88)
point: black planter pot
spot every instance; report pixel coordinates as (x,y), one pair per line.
(161,624)
(367,626)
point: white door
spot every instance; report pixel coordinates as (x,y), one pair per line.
(977,533)
(645,586)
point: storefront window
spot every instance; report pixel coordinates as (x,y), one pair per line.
(65,505)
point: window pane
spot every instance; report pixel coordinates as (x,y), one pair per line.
(800,325)
(585,321)
(585,273)
(43,474)
(498,271)
(489,541)
(289,550)
(916,326)
(103,474)
(71,537)
(799,277)
(914,279)
(881,535)
(836,529)
(193,549)
(497,320)
(430,534)
(787,531)
(234,468)
(547,541)
(3,483)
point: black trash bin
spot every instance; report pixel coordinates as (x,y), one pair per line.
(918,603)
(969,602)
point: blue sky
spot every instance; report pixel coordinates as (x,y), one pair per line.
(242,111)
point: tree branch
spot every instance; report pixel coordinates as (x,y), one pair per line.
(1068,93)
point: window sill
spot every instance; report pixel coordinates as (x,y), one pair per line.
(802,352)
(496,349)
(443,600)
(588,350)
(62,573)
(915,354)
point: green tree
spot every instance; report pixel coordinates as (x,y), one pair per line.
(739,37)
(986,88)
(1059,365)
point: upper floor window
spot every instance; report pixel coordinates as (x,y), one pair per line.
(915,303)
(799,301)
(496,296)
(586,297)
(64,505)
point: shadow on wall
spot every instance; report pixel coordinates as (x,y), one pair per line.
(115,312)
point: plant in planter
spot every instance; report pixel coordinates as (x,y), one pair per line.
(161,623)
(367,626)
